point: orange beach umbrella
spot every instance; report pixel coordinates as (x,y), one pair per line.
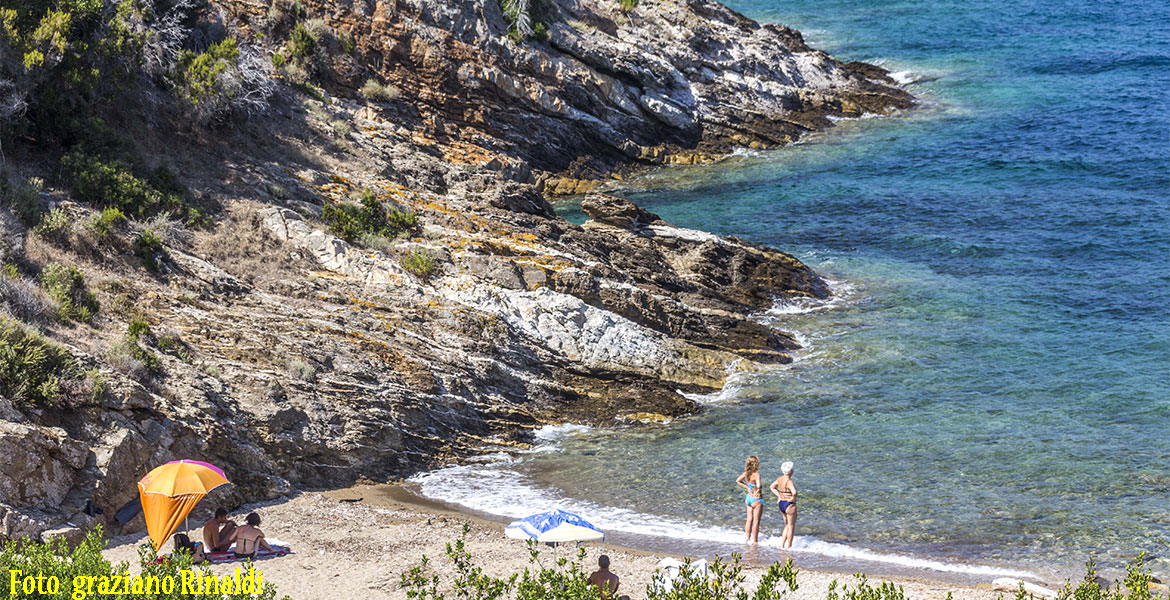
(168,493)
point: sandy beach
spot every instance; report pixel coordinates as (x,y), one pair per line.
(360,549)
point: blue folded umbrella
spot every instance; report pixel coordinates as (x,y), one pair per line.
(555,526)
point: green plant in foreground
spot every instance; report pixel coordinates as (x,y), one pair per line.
(627,5)
(73,565)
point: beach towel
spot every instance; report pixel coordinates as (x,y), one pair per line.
(279,548)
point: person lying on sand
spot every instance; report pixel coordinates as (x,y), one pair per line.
(249,538)
(605,581)
(785,491)
(217,532)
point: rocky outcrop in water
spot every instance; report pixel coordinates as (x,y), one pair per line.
(294,358)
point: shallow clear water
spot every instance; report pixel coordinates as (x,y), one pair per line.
(992,384)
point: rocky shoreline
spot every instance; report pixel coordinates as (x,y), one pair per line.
(295,359)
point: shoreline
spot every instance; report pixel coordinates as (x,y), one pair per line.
(361,549)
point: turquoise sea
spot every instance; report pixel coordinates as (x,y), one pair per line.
(989,391)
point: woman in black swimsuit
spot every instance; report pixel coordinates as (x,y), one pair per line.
(785,491)
(249,538)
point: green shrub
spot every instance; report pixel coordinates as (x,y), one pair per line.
(516,12)
(627,5)
(347,43)
(54,225)
(58,559)
(198,74)
(23,198)
(1136,585)
(301,44)
(566,579)
(111,183)
(350,221)
(130,357)
(864,591)
(301,370)
(22,296)
(372,90)
(66,286)
(340,128)
(137,328)
(104,225)
(31,367)
(149,248)
(419,263)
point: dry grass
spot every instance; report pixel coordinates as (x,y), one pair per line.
(242,246)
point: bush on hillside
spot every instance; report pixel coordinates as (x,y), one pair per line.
(32,368)
(350,221)
(130,357)
(301,59)
(104,225)
(419,262)
(150,249)
(567,580)
(222,79)
(113,184)
(22,297)
(372,90)
(66,286)
(22,197)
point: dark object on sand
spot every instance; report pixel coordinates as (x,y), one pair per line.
(351,500)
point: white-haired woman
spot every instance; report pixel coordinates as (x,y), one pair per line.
(785,491)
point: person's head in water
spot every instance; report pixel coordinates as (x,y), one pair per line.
(787,468)
(220,514)
(751,465)
(253,519)
(603,561)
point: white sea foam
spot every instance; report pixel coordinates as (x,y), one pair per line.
(499,490)
(903,77)
(550,433)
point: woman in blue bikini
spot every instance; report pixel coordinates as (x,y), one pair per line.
(750,481)
(785,492)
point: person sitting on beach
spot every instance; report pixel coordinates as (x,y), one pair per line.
(217,532)
(750,481)
(249,538)
(785,491)
(605,581)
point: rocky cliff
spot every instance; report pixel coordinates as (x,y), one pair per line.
(296,359)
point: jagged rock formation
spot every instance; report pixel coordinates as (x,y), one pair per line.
(672,81)
(309,361)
